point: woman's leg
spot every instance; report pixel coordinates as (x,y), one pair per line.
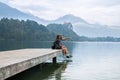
(65,50)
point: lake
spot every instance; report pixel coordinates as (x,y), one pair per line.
(90,61)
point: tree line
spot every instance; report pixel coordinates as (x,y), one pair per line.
(14,29)
(21,30)
(99,39)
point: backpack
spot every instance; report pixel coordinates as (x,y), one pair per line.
(55,45)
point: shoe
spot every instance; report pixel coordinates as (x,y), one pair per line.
(67,56)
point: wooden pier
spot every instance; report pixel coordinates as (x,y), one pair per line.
(15,61)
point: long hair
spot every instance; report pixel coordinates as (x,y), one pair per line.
(59,37)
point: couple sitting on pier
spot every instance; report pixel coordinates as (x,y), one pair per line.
(58,45)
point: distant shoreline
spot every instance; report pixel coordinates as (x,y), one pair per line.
(52,41)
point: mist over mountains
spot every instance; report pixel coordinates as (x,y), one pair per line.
(9,12)
(69,18)
(80,26)
(96,30)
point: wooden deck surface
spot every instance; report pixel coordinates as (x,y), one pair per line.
(15,61)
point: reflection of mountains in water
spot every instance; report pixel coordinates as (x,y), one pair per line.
(41,72)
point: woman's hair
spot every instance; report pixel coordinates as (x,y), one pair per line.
(59,37)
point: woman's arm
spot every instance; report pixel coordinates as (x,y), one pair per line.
(65,38)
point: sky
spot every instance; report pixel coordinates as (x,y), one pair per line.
(105,12)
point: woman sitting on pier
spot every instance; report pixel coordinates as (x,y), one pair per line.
(58,45)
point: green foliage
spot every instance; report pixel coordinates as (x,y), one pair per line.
(14,29)
(63,29)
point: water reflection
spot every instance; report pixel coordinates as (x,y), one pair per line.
(12,45)
(46,71)
(94,61)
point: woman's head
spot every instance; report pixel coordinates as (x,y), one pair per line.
(59,37)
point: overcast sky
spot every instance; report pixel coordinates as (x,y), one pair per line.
(106,12)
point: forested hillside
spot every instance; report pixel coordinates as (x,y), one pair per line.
(63,29)
(13,29)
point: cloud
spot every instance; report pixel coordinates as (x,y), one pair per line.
(108,2)
(104,15)
(94,11)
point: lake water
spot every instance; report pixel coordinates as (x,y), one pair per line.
(90,61)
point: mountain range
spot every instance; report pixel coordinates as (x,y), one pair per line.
(9,12)
(80,26)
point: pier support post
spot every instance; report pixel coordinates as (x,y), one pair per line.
(55,60)
(1,74)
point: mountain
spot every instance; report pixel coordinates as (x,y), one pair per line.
(6,11)
(95,30)
(83,28)
(69,18)
(65,29)
(9,12)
